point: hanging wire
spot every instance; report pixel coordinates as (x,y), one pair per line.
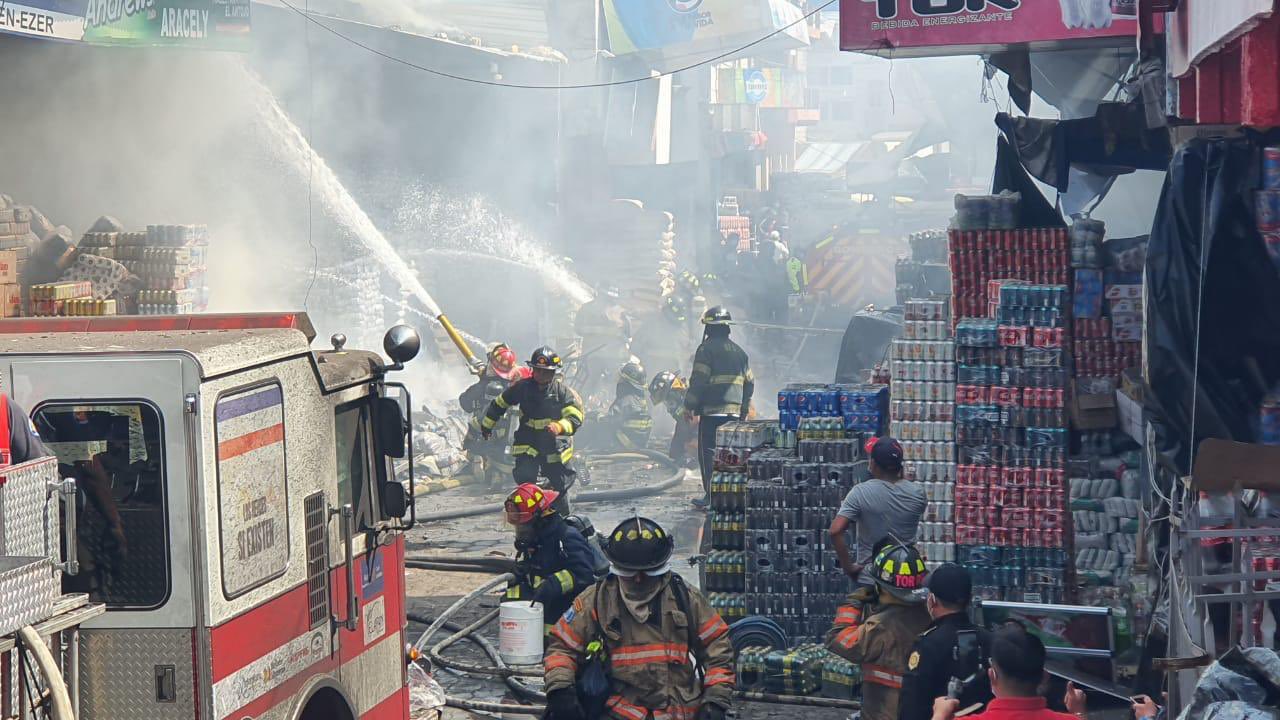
(311,165)
(306,13)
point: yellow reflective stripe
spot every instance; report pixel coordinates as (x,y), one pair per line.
(540,424)
(513,592)
(729,409)
(639,424)
(488,422)
(566,580)
(572,412)
(501,402)
(750,375)
(523,450)
(727,379)
(536,581)
(703,368)
(562,457)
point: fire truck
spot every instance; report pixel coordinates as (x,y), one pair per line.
(235,511)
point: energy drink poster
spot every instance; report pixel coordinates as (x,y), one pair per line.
(199,24)
(638,25)
(919,28)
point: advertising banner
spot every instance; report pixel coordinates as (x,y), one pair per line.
(199,24)
(765,87)
(638,25)
(918,28)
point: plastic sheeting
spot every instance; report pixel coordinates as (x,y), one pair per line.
(1239,686)
(1224,320)
(866,343)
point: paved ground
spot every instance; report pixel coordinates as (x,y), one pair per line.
(431,592)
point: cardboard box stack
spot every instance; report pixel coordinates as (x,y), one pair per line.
(922,409)
(68,299)
(15,226)
(170,260)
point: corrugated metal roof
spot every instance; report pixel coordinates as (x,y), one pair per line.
(826,157)
(498,23)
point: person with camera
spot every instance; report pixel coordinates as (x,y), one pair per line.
(950,657)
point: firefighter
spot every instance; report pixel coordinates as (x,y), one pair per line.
(668,390)
(550,413)
(659,668)
(720,388)
(496,376)
(628,423)
(556,562)
(882,642)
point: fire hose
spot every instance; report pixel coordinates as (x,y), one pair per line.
(59,699)
(509,674)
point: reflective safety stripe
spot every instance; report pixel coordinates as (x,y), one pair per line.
(556,660)
(566,580)
(572,412)
(500,402)
(536,581)
(701,368)
(540,424)
(712,629)
(848,637)
(718,676)
(726,409)
(566,635)
(727,379)
(848,615)
(626,710)
(524,450)
(628,655)
(638,424)
(513,592)
(488,423)
(881,676)
(561,457)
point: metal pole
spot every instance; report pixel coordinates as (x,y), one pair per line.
(73,668)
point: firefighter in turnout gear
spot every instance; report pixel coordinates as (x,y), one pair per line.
(668,390)
(667,653)
(720,388)
(629,423)
(882,641)
(496,376)
(550,413)
(556,561)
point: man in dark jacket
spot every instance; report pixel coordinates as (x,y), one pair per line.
(720,388)
(557,563)
(550,414)
(952,647)
(628,423)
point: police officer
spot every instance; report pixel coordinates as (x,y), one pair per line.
(556,562)
(952,648)
(882,643)
(550,413)
(668,390)
(720,388)
(668,653)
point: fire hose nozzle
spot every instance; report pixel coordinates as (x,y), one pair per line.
(472,361)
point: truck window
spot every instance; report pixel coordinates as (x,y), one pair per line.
(351,433)
(253,508)
(115,452)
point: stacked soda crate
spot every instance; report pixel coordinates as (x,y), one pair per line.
(831,411)
(792,575)
(922,412)
(15,226)
(723,573)
(170,260)
(68,299)
(1012,350)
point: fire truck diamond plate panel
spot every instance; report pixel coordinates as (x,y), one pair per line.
(118,674)
(29,527)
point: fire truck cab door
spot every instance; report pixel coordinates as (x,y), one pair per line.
(121,426)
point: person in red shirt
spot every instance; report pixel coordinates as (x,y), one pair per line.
(1016,671)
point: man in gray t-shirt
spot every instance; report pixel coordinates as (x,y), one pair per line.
(884,506)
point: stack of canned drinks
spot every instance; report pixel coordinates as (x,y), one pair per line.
(831,409)
(1036,255)
(922,408)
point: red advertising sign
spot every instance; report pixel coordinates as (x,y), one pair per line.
(917,28)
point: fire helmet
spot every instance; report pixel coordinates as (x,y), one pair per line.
(661,385)
(544,358)
(899,570)
(527,503)
(638,545)
(718,315)
(493,389)
(632,374)
(502,359)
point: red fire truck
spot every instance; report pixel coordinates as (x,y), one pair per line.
(237,513)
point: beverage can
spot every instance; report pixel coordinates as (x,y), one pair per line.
(1271,168)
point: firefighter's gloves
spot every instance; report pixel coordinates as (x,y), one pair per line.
(710,711)
(555,428)
(564,705)
(486,433)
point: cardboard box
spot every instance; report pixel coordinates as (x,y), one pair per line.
(1124,292)
(1092,412)
(1131,384)
(1087,299)
(1129,417)
(10,265)
(11,300)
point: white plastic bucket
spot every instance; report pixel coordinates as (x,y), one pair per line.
(520,633)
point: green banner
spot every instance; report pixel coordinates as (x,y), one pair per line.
(197,24)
